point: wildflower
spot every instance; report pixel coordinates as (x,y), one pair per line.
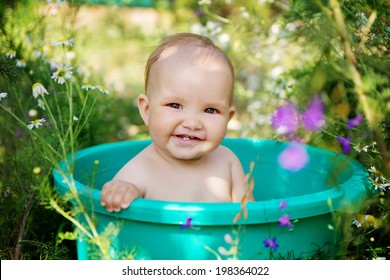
(283,205)
(41,104)
(313,118)
(357,223)
(62,73)
(204,2)
(293,158)
(39,53)
(285,119)
(244,13)
(271,243)
(54,2)
(376,172)
(345,143)
(103,89)
(36,170)
(10,54)
(20,63)
(285,221)
(224,40)
(380,185)
(19,133)
(63,42)
(358,148)
(38,89)
(379,182)
(360,220)
(32,113)
(36,123)
(87,87)
(373,170)
(3,95)
(354,121)
(187,224)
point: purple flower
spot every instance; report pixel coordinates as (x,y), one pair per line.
(313,118)
(354,121)
(19,133)
(285,221)
(271,243)
(283,205)
(285,120)
(187,224)
(294,157)
(345,143)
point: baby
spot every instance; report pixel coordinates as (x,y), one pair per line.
(186,106)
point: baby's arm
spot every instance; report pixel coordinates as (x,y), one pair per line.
(117,195)
(240,189)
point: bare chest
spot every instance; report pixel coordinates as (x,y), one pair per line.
(175,185)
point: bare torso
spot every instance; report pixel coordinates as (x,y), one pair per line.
(208,180)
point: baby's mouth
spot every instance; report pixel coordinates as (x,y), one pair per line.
(184,137)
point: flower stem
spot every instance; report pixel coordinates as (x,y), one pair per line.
(357,80)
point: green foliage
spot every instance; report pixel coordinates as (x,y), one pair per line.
(27,156)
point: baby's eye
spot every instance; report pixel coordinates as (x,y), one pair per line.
(211,111)
(175,105)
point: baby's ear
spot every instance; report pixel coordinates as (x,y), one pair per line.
(143,107)
(232,112)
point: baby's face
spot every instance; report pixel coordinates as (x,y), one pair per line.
(189,107)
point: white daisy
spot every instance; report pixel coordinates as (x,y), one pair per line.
(10,54)
(63,42)
(20,63)
(103,89)
(62,73)
(204,2)
(382,185)
(38,53)
(38,89)
(87,87)
(41,104)
(36,123)
(3,95)
(360,148)
(54,2)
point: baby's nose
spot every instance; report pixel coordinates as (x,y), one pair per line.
(192,122)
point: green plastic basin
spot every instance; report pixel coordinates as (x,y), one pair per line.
(328,183)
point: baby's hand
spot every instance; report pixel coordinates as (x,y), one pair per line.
(117,195)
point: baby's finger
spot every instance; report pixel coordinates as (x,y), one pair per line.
(128,197)
(106,197)
(103,193)
(118,197)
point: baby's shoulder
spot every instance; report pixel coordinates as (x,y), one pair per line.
(225,153)
(138,162)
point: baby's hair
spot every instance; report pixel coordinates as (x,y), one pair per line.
(203,48)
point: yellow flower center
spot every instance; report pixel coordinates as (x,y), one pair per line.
(61,73)
(36,85)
